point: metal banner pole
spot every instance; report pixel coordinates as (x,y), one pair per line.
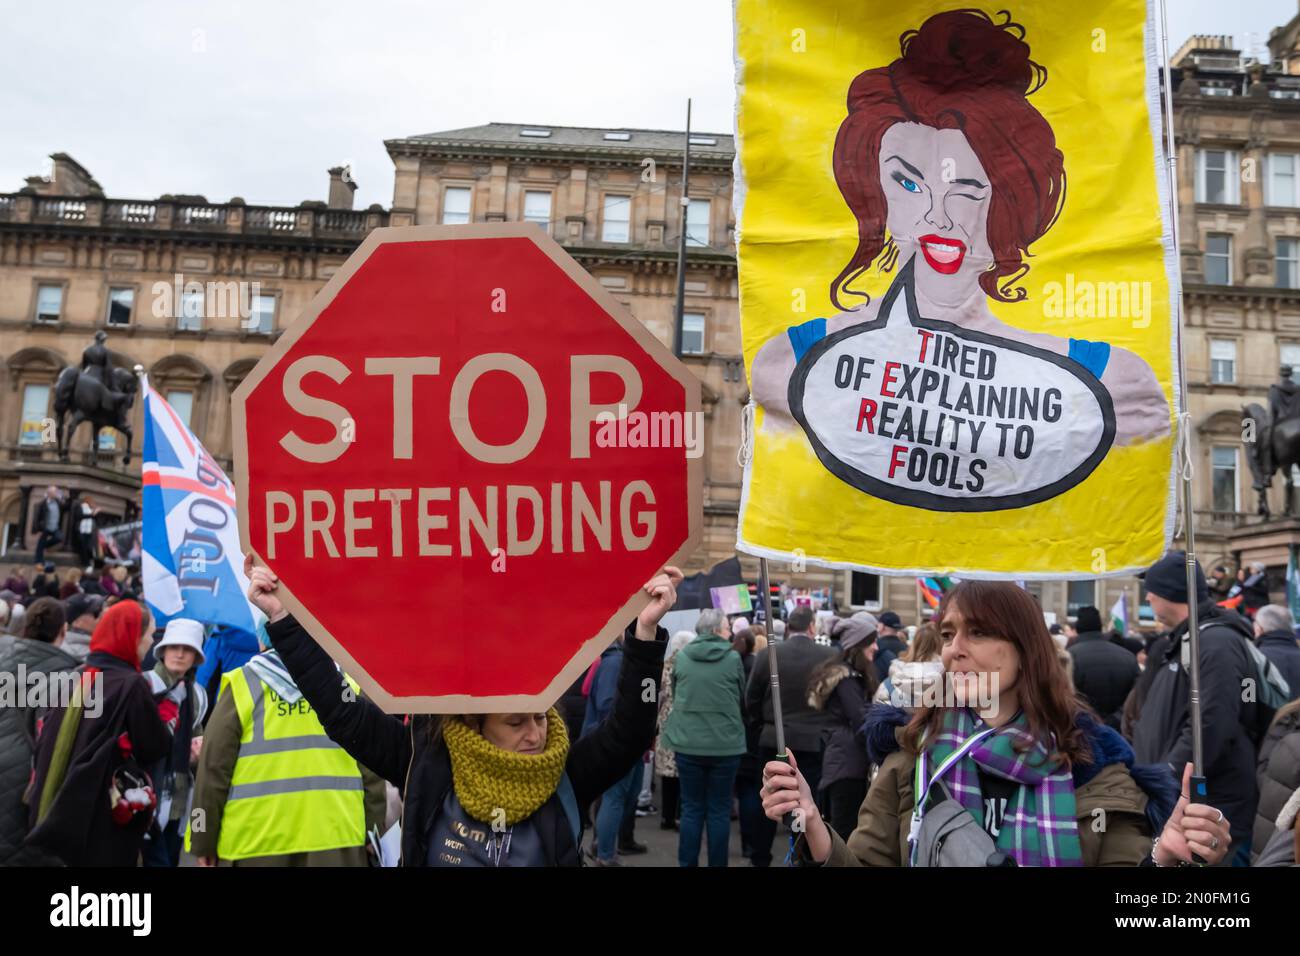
(1183,445)
(765,595)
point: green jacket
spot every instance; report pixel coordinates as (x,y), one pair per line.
(708,690)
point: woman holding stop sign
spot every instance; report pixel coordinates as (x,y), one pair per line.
(485,789)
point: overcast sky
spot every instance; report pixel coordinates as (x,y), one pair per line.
(257,99)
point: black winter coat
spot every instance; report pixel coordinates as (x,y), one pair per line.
(401,751)
(1281,648)
(1104,674)
(18,740)
(79,827)
(1163,733)
(749,769)
(1279,774)
(796,658)
(888,650)
(843,695)
(573,707)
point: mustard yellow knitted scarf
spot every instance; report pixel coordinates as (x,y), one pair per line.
(488,779)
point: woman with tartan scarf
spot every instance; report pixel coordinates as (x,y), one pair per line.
(485,790)
(1048,782)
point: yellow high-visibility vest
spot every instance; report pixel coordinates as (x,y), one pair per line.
(293,790)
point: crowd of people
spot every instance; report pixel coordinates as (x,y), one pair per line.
(1106,722)
(978,737)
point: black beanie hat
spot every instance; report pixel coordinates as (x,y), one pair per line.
(1167,578)
(1088,620)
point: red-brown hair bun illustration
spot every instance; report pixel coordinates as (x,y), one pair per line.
(964,48)
(960,70)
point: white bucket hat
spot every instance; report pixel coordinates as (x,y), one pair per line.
(182,632)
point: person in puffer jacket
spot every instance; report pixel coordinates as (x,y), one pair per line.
(899,687)
(37,652)
(1283,848)
(843,687)
(1279,777)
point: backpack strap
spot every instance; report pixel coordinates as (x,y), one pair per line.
(569,802)
(923,781)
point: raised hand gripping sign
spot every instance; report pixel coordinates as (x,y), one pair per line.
(957,316)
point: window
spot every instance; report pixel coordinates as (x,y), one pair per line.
(1218,259)
(1288,257)
(538,133)
(1282,180)
(703,141)
(120,303)
(692,333)
(182,404)
(262,314)
(49,303)
(455,205)
(190,318)
(1146,615)
(1216,176)
(36,410)
(537,207)
(1224,466)
(1079,594)
(864,590)
(1223,361)
(618,137)
(618,217)
(697,223)
(1289,354)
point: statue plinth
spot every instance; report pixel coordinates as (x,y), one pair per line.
(1269,541)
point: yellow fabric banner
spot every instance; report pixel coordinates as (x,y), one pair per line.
(957,286)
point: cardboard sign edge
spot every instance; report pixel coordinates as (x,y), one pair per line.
(610,629)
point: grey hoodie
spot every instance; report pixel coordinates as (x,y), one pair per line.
(77,644)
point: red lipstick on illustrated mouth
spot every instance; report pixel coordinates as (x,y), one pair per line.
(943,253)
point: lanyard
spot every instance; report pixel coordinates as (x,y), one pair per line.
(921,784)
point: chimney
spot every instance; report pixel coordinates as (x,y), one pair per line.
(342,186)
(68,178)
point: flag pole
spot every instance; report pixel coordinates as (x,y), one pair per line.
(1183,446)
(765,595)
(679,308)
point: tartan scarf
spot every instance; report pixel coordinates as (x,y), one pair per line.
(1040,827)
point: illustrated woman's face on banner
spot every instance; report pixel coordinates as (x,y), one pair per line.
(938,201)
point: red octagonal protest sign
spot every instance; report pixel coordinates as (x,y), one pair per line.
(462,462)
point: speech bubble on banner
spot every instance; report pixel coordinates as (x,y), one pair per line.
(936,416)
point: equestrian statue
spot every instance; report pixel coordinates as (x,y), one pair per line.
(1276,447)
(99,393)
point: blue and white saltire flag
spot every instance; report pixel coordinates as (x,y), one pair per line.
(192,565)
